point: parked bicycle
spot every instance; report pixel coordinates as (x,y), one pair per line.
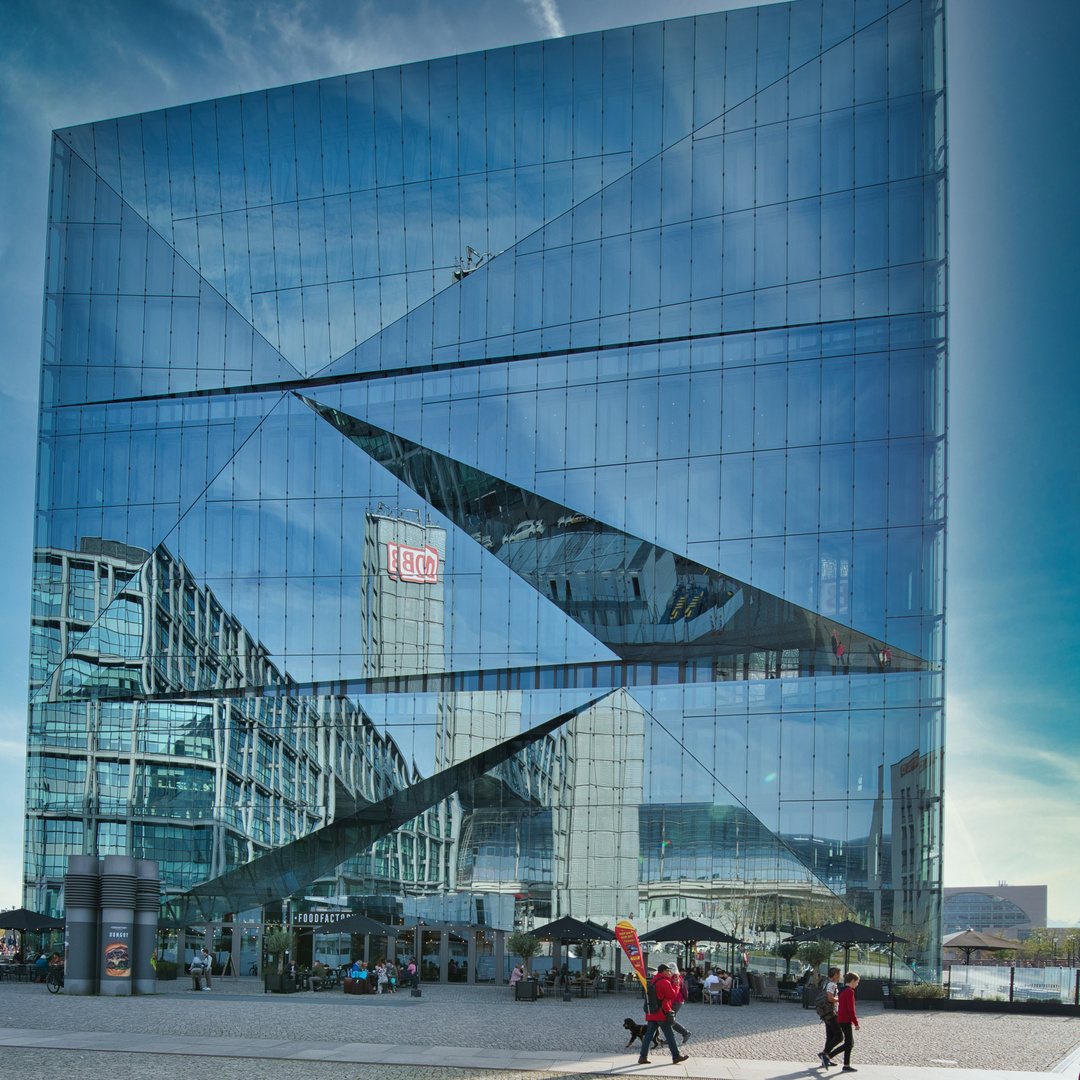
(55,980)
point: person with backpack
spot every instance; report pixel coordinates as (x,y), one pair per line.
(846,1018)
(825,1004)
(660,998)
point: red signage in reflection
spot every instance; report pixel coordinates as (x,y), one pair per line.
(419,565)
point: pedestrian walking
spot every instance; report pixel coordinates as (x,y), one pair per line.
(846,1018)
(826,1008)
(678,981)
(659,999)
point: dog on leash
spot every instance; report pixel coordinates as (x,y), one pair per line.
(637,1031)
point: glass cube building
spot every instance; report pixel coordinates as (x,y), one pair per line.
(508,486)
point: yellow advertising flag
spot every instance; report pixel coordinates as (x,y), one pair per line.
(627,937)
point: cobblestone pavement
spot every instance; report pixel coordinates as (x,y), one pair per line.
(488,1017)
(74,1065)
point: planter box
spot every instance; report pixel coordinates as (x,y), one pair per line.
(166,976)
(526,990)
(279,984)
(1014,1008)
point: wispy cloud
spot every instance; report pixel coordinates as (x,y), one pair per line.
(546,13)
(1012,803)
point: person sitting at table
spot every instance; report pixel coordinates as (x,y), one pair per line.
(711,987)
(516,975)
(318,975)
(41,967)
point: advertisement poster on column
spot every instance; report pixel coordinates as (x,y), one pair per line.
(117,957)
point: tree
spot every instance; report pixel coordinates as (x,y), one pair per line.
(277,943)
(1071,941)
(735,914)
(816,953)
(524,945)
(788,950)
(1040,945)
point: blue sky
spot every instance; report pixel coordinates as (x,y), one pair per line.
(1013,646)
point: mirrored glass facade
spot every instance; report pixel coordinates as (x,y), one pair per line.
(508,486)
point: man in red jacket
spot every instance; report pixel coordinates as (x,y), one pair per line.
(846,1018)
(659,1012)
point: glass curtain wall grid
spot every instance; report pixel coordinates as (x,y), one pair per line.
(547,443)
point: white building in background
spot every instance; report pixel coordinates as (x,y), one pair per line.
(1011,911)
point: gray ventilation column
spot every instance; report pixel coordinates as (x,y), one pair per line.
(82,884)
(144,950)
(117,920)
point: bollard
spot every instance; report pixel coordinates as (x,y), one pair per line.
(144,948)
(118,878)
(82,884)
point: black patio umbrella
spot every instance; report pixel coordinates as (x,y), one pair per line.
(569,929)
(848,933)
(688,932)
(22,919)
(602,932)
(969,941)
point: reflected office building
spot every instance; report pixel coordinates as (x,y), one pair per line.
(508,486)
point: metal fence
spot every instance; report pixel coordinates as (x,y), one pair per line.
(1013,983)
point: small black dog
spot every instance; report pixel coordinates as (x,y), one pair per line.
(637,1031)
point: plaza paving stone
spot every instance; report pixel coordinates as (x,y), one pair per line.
(453,1032)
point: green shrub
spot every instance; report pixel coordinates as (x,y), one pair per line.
(164,967)
(921,990)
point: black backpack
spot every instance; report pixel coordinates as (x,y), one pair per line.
(652,998)
(825,1008)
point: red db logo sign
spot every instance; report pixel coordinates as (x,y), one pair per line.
(418,565)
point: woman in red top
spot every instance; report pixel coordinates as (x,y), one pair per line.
(846,1018)
(660,1016)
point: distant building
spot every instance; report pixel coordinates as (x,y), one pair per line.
(1008,910)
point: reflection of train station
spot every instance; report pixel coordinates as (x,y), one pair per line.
(597,576)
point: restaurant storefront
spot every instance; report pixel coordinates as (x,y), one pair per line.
(444,952)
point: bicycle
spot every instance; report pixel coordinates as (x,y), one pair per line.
(54,981)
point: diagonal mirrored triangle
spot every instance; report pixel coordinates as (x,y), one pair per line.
(293,866)
(132,316)
(84,562)
(644,602)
